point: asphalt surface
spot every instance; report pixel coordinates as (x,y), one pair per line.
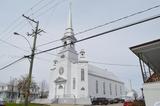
(118,104)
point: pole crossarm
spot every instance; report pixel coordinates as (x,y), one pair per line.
(30,19)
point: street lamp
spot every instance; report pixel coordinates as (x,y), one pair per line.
(31,62)
(15,33)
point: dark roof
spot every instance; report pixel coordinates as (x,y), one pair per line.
(147,43)
(149,53)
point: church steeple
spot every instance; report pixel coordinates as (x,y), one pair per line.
(69,40)
(69,33)
(69,29)
(70,16)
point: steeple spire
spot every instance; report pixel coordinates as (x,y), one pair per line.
(70,15)
(69,37)
(69,29)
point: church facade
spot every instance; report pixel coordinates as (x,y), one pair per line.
(74,80)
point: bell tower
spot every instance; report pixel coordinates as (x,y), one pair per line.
(68,41)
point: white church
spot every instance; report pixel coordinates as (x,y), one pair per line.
(74,81)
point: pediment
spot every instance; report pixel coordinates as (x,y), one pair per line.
(60,80)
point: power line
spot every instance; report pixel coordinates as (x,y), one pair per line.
(125,65)
(94,62)
(48,3)
(17,19)
(119,19)
(36,4)
(106,32)
(14,45)
(48,43)
(49,9)
(12,63)
(125,17)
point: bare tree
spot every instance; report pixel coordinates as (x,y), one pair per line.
(22,86)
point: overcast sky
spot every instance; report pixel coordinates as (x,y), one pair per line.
(110,48)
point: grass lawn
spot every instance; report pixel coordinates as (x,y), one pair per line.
(14,104)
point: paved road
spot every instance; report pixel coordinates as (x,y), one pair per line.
(119,104)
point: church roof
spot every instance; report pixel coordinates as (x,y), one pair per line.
(96,71)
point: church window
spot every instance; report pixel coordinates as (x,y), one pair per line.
(110,88)
(104,88)
(82,74)
(65,44)
(82,88)
(74,83)
(121,90)
(116,89)
(63,56)
(61,70)
(96,86)
(72,44)
(60,87)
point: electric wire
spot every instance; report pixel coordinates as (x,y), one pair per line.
(125,17)
(49,9)
(102,25)
(11,63)
(17,19)
(111,64)
(106,32)
(13,45)
(48,43)
(48,3)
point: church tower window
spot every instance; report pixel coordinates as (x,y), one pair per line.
(72,44)
(96,86)
(60,87)
(82,88)
(74,83)
(82,74)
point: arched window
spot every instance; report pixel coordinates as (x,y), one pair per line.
(60,87)
(65,44)
(72,44)
(82,74)
(82,88)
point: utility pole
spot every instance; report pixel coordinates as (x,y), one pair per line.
(31,57)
